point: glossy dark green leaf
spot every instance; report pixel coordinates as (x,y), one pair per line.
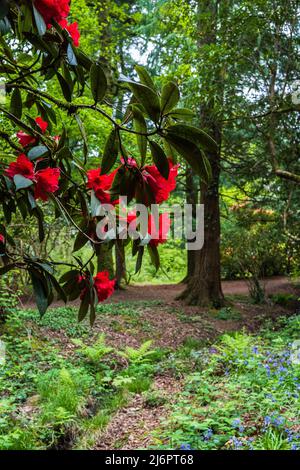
(182,114)
(84,136)
(169,97)
(39,21)
(139,260)
(139,125)
(153,252)
(160,159)
(147,98)
(16,105)
(65,87)
(110,153)
(98,82)
(71,55)
(40,291)
(84,306)
(72,274)
(21,182)
(37,152)
(3,9)
(145,77)
(193,134)
(192,154)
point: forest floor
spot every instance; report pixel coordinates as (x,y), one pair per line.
(131,397)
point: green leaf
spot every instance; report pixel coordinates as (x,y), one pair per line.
(5,26)
(73,274)
(153,252)
(39,21)
(65,87)
(40,291)
(160,159)
(3,9)
(193,134)
(98,82)
(140,126)
(84,306)
(169,97)
(139,260)
(40,218)
(182,114)
(84,136)
(148,98)
(80,241)
(110,153)
(95,205)
(16,105)
(71,55)
(21,182)
(144,77)
(192,154)
(37,152)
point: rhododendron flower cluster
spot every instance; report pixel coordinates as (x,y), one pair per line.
(58,10)
(26,139)
(53,9)
(103,285)
(160,187)
(45,180)
(101,184)
(73,30)
(159,234)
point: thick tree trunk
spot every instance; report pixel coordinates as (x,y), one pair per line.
(204,287)
(105,259)
(120,263)
(191,198)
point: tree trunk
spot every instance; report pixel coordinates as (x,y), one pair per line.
(105,259)
(191,198)
(120,263)
(204,287)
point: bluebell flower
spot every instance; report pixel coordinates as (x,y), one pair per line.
(208,434)
(185,447)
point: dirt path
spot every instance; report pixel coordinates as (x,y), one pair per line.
(169,292)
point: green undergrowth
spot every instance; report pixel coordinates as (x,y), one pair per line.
(61,394)
(243,393)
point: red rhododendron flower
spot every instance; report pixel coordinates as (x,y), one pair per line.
(42,124)
(23,166)
(159,234)
(103,285)
(101,184)
(159,186)
(46,182)
(72,28)
(25,139)
(53,9)
(2,239)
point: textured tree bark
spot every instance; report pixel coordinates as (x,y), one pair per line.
(204,287)
(105,259)
(120,263)
(191,198)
